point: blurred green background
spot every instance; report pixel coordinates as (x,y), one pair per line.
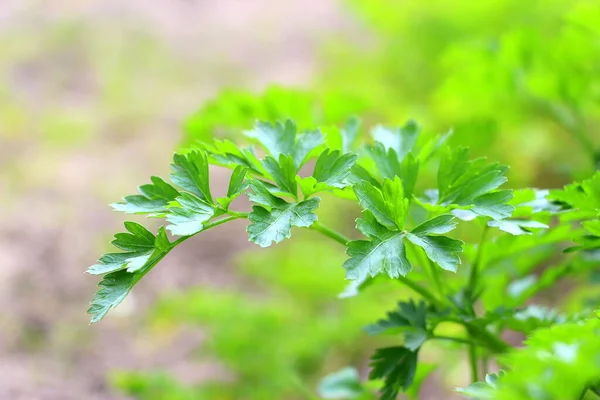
(96,95)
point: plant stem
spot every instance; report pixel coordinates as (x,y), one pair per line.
(338,237)
(473,362)
(426,294)
(451,339)
(475,267)
(492,342)
(582,395)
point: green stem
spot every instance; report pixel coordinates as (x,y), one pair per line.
(452,339)
(474,275)
(338,237)
(492,342)
(582,395)
(473,362)
(426,294)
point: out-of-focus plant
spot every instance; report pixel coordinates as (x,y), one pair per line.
(516,79)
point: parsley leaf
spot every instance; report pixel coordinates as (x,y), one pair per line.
(410,318)
(396,366)
(188,214)
(153,198)
(440,249)
(282,138)
(143,251)
(461,180)
(272,220)
(517,227)
(190,172)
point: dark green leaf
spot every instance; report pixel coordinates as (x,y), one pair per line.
(396,366)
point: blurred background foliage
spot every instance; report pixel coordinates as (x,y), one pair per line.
(515,80)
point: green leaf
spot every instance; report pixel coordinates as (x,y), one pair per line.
(268,226)
(349,133)
(386,160)
(307,143)
(517,227)
(114,287)
(461,180)
(153,198)
(277,139)
(409,171)
(140,247)
(436,226)
(237,185)
(396,366)
(118,281)
(359,174)
(332,168)
(369,226)
(483,390)
(261,195)
(281,138)
(401,140)
(343,384)
(584,196)
(440,249)
(230,155)
(190,172)
(283,172)
(188,215)
(370,258)
(409,318)
(388,205)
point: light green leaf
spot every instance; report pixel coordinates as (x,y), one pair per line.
(154,198)
(343,384)
(349,133)
(440,249)
(494,205)
(114,287)
(332,168)
(275,225)
(260,194)
(461,180)
(237,185)
(409,171)
(188,215)
(283,172)
(401,140)
(307,143)
(517,227)
(379,255)
(388,205)
(277,139)
(437,226)
(190,172)
(281,138)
